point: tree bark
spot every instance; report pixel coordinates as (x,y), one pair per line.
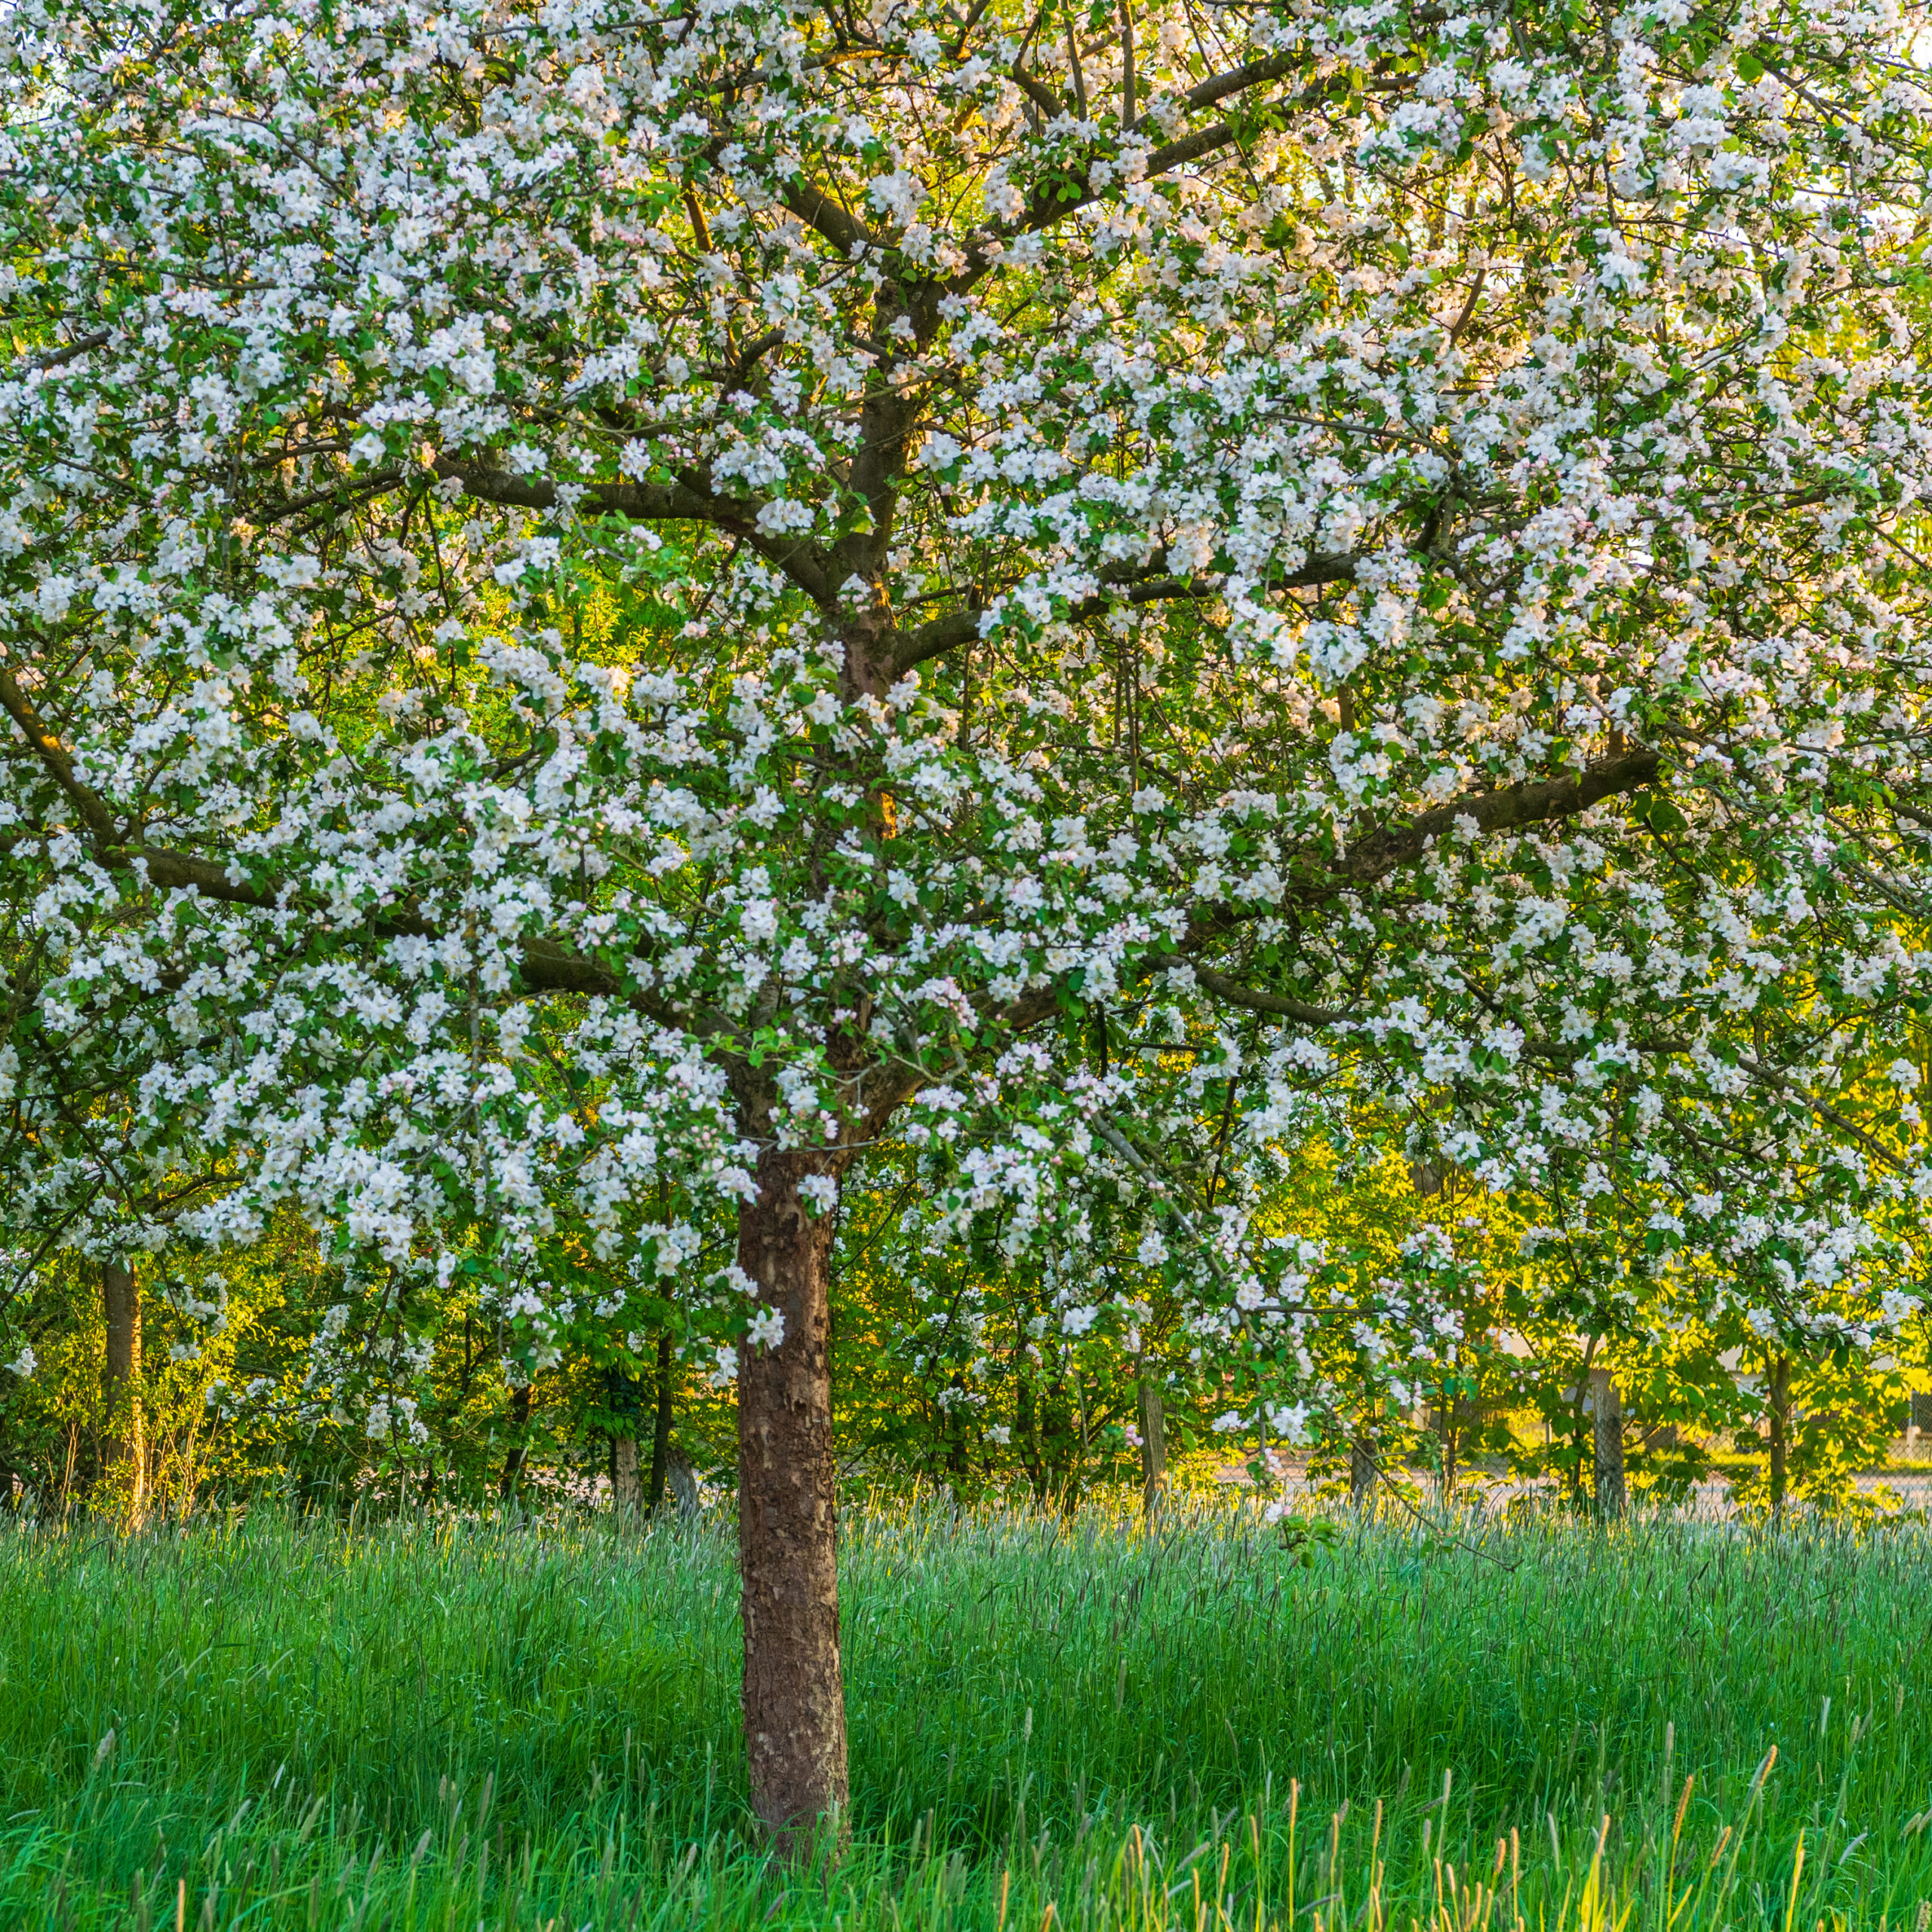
(1579,1396)
(1361,1468)
(1780,1409)
(1026,1427)
(627,1480)
(1447,1431)
(1153,1445)
(1606,1408)
(794,1688)
(519,1448)
(126,1444)
(660,1434)
(1059,1445)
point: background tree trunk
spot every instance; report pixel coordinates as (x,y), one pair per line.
(1780,1409)
(1025,1420)
(1449,1434)
(685,1497)
(660,1434)
(1578,1396)
(1361,1467)
(794,1689)
(1606,1407)
(1153,1445)
(126,1443)
(627,1480)
(519,1447)
(621,1400)
(1060,1444)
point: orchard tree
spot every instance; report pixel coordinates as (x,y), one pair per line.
(1398,520)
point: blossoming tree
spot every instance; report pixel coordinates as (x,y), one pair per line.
(1398,519)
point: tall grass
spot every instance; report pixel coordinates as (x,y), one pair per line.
(441,1726)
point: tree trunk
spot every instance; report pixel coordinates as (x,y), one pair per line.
(626,1481)
(959,1459)
(519,1447)
(660,1434)
(1362,1471)
(1059,1445)
(120,1384)
(1780,1392)
(1607,1406)
(1153,1445)
(794,1690)
(1578,1398)
(620,1399)
(1026,1423)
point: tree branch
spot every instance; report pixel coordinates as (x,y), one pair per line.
(1784,1083)
(688,499)
(56,359)
(381,479)
(1380,852)
(936,638)
(545,966)
(1038,92)
(1046,207)
(1236,80)
(1256,1000)
(1374,858)
(53,755)
(958,627)
(818,210)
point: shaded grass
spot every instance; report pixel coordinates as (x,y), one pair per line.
(442,1725)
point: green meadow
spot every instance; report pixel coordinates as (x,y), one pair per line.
(446,1725)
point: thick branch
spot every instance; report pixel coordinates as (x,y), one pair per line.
(1038,92)
(1830,1114)
(1218,88)
(1236,80)
(68,352)
(878,472)
(1380,852)
(818,211)
(646,500)
(688,498)
(365,484)
(1051,204)
(52,754)
(956,627)
(545,966)
(752,353)
(174,872)
(1256,1000)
